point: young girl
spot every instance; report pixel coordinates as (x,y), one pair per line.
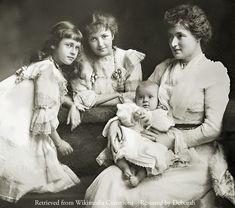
(106,70)
(29,103)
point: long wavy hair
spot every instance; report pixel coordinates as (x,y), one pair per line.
(60,30)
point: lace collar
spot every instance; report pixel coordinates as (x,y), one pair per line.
(117,74)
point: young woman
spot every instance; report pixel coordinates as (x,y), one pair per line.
(29,102)
(195,89)
(106,72)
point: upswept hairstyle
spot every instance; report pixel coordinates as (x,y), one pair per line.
(100,20)
(192,18)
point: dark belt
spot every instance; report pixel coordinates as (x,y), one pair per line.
(187,126)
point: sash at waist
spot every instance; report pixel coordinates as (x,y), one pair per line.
(186,126)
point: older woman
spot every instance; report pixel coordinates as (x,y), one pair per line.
(195,89)
(106,72)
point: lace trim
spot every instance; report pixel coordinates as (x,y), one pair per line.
(225,187)
(10,189)
(45,128)
(222,180)
(44,120)
(120,73)
(117,74)
(21,75)
(62,82)
(134,57)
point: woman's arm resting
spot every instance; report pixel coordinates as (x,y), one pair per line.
(114,133)
(166,140)
(67,101)
(109,99)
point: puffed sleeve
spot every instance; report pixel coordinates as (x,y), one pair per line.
(46,100)
(132,62)
(215,101)
(158,71)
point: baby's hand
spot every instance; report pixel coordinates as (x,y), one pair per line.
(137,115)
(141,112)
(64,148)
(143,116)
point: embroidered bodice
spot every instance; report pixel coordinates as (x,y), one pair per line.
(49,90)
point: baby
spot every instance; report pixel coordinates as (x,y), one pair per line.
(138,153)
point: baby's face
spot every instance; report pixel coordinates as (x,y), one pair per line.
(147,97)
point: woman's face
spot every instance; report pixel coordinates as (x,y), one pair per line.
(183,44)
(66,51)
(101,42)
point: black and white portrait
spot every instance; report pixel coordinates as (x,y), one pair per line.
(125,103)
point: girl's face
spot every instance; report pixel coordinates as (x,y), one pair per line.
(66,51)
(147,97)
(183,44)
(101,42)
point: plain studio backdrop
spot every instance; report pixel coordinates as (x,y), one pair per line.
(24,25)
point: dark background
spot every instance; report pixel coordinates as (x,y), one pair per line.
(24,25)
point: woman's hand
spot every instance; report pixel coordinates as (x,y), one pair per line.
(64,148)
(114,135)
(165,140)
(73,117)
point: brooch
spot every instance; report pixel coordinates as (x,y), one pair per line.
(93,78)
(117,74)
(20,74)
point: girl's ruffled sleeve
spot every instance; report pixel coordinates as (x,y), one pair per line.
(44,119)
(132,63)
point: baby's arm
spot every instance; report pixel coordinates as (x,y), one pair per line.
(156,123)
(143,116)
(62,146)
(125,113)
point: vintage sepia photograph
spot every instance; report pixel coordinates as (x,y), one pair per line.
(117,103)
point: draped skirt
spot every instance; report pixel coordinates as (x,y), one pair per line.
(28,163)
